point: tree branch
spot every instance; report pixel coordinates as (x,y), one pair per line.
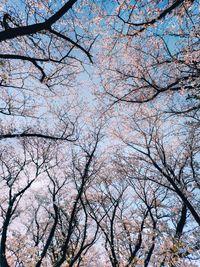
(37,27)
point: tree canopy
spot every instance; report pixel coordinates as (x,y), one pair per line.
(99,133)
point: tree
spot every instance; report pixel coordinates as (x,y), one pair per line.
(153,56)
(38,30)
(177,165)
(57,228)
(137,222)
(44,46)
(18,173)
